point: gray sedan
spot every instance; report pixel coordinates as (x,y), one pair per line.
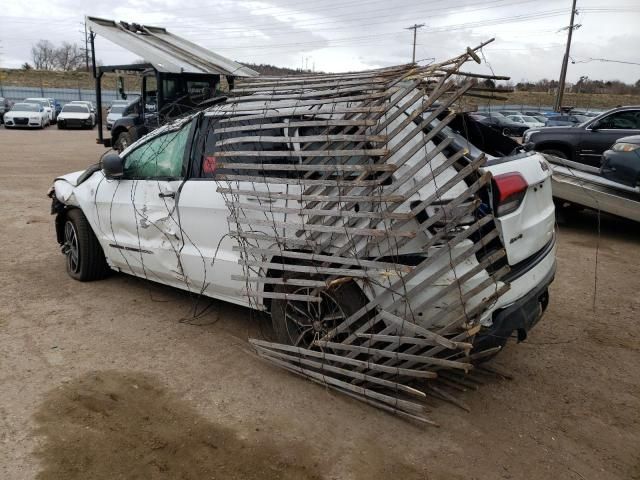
(621,163)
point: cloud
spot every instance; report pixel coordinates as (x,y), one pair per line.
(345,35)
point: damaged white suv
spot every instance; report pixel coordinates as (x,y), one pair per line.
(165,221)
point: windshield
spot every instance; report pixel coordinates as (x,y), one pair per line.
(75,109)
(118,108)
(26,107)
(529,119)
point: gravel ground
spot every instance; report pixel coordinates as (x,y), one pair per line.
(113,379)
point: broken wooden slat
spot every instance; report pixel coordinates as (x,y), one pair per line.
(329,380)
(358,262)
(385,214)
(325,366)
(424,374)
(309,167)
(371,152)
(315,198)
(369,232)
(394,355)
(338,183)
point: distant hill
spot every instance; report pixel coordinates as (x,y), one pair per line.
(73,79)
(266,69)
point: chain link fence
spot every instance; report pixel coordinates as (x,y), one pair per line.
(63,95)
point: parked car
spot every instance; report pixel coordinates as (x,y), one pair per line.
(114,113)
(75,115)
(92,109)
(506,113)
(504,124)
(537,115)
(5,106)
(568,120)
(102,225)
(585,113)
(46,104)
(530,122)
(57,106)
(586,142)
(29,115)
(621,163)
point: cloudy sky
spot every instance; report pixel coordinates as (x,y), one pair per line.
(340,35)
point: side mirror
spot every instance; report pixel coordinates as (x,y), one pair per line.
(595,126)
(113,165)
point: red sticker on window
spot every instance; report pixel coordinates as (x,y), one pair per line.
(209,165)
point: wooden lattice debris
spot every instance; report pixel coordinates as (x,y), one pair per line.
(357,188)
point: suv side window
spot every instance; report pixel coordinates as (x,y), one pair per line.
(161,157)
(629,119)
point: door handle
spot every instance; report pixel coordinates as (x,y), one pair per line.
(167,194)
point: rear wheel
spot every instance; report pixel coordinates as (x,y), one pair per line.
(506,132)
(300,322)
(85,258)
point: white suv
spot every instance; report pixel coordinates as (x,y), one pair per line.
(165,221)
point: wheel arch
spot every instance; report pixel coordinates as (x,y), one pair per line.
(556,145)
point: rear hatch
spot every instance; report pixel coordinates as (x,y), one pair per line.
(520,193)
(522,184)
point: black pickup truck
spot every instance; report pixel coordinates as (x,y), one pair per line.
(586,142)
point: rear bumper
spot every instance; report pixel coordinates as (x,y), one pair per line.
(521,315)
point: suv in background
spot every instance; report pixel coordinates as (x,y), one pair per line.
(587,142)
(568,120)
(5,106)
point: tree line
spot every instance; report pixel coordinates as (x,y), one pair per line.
(583,85)
(47,56)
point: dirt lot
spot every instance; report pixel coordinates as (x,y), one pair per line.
(113,380)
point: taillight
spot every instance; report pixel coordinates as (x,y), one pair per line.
(509,192)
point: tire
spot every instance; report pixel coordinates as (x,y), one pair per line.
(60,127)
(123,141)
(556,153)
(85,258)
(506,132)
(340,302)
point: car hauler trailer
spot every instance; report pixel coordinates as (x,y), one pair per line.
(177,77)
(586,188)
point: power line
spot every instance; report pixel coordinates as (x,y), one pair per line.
(608,60)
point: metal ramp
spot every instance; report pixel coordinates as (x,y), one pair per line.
(167,52)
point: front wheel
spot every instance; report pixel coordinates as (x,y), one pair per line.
(122,142)
(506,132)
(85,258)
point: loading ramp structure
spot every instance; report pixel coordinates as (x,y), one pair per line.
(184,75)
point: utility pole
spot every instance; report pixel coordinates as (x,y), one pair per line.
(86,46)
(565,61)
(415,28)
